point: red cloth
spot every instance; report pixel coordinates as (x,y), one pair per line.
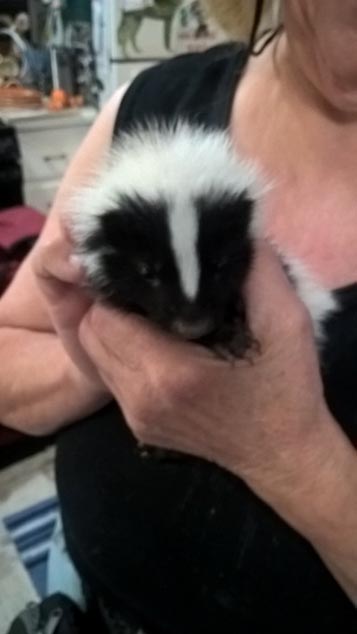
(19,227)
(17,223)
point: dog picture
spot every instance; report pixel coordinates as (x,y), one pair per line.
(134,14)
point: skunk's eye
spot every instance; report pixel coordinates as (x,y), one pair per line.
(149,273)
(220,263)
(144,269)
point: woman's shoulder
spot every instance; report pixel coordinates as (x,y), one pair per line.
(186,85)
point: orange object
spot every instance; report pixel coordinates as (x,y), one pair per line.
(59,99)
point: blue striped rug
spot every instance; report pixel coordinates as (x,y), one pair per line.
(31,531)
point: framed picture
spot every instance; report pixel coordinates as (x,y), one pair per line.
(156,29)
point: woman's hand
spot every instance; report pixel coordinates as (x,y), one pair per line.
(265,419)
(256,418)
(59,277)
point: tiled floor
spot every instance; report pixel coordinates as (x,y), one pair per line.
(21,485)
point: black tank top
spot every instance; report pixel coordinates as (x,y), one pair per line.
(184,547)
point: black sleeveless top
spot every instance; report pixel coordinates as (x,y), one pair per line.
(182,547)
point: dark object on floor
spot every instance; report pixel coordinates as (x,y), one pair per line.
(55,615)
(10,168)
(60,615)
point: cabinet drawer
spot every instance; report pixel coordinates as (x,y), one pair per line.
(40,195)
(46,153)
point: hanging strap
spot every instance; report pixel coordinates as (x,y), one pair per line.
(259,6)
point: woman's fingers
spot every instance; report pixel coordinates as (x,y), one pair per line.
(59,276)
(54,261)
(133,340)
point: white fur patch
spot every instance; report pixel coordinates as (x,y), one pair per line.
(319,302)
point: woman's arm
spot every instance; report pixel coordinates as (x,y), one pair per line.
(328,506)
(322,502)
(40,387)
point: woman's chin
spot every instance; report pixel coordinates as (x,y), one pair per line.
(340,97)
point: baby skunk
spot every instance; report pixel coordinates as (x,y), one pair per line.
(167,230)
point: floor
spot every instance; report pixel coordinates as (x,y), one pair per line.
(21,485)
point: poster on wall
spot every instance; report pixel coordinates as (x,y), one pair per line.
(156,29)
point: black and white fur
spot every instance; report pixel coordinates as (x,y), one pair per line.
(167,229)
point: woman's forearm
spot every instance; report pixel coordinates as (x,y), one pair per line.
(335,535)
(343,568)
(40,388)
(323,504)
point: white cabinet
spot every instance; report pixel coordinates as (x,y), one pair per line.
(48,141)
(40,194)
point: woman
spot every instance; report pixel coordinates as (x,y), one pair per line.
(266,540)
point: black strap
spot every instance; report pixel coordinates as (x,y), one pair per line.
(259,5)
(268,35)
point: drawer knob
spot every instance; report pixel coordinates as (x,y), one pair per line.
(55,157)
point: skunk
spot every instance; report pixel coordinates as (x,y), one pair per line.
(167,229)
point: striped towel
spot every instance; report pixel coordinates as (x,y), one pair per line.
(31,530)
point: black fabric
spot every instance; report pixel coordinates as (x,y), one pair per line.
(180,546)
(183,546)
(197,87)
(339,362)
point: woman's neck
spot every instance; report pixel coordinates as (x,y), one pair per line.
(332,93)
(278,112)
(308,157)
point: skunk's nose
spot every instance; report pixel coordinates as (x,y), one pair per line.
(192,329)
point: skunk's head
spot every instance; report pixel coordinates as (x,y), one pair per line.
(166,228)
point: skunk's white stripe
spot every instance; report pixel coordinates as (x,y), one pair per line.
(183,225)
